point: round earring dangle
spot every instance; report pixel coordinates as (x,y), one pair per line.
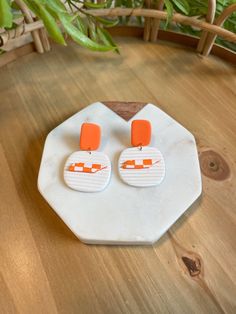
(141,165)
(88,170)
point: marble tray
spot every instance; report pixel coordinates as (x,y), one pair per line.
(121,214)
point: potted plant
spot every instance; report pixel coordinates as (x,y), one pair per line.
(76,18)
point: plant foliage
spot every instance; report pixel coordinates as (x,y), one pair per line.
(90,32)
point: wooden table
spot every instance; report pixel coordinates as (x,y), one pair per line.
(44,268)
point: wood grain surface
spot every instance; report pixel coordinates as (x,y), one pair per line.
(44,267)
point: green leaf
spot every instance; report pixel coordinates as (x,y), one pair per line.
(81,25)
(80,38)
(106,38)
(140,3)
(56,5)
(118,3)
(15,6)
(227,44)
(5,14)
(48,20)
(120,19)
(95,5)
(13,26)
(170,11)
(52,12)
(139,20)
(223,2)
(128,4)
(52,27)
(182,5)
(92,31)
(109,3)
(106,22)
(219,7)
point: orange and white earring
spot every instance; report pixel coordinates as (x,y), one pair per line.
(141,165)
(88,170)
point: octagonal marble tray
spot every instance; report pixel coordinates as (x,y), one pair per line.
(121,214)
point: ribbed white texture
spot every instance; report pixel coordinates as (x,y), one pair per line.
(88,182)
(142,177)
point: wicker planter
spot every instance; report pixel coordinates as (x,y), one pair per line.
(204,45)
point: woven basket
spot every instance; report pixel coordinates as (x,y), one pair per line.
(31,30)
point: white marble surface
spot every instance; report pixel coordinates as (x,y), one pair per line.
(121,214)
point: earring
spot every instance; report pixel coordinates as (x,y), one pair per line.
(88,170)
(141,165)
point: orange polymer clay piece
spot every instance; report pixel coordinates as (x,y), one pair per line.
(90,136)
(140,133)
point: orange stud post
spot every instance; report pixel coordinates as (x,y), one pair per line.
(140,133)
(90,136)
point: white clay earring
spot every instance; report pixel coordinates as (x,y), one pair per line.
(88,170)
(141,165)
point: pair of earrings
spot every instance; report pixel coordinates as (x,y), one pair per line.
(140,166)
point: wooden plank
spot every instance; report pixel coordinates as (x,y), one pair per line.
(16,53)
(45,268)
(26,286)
